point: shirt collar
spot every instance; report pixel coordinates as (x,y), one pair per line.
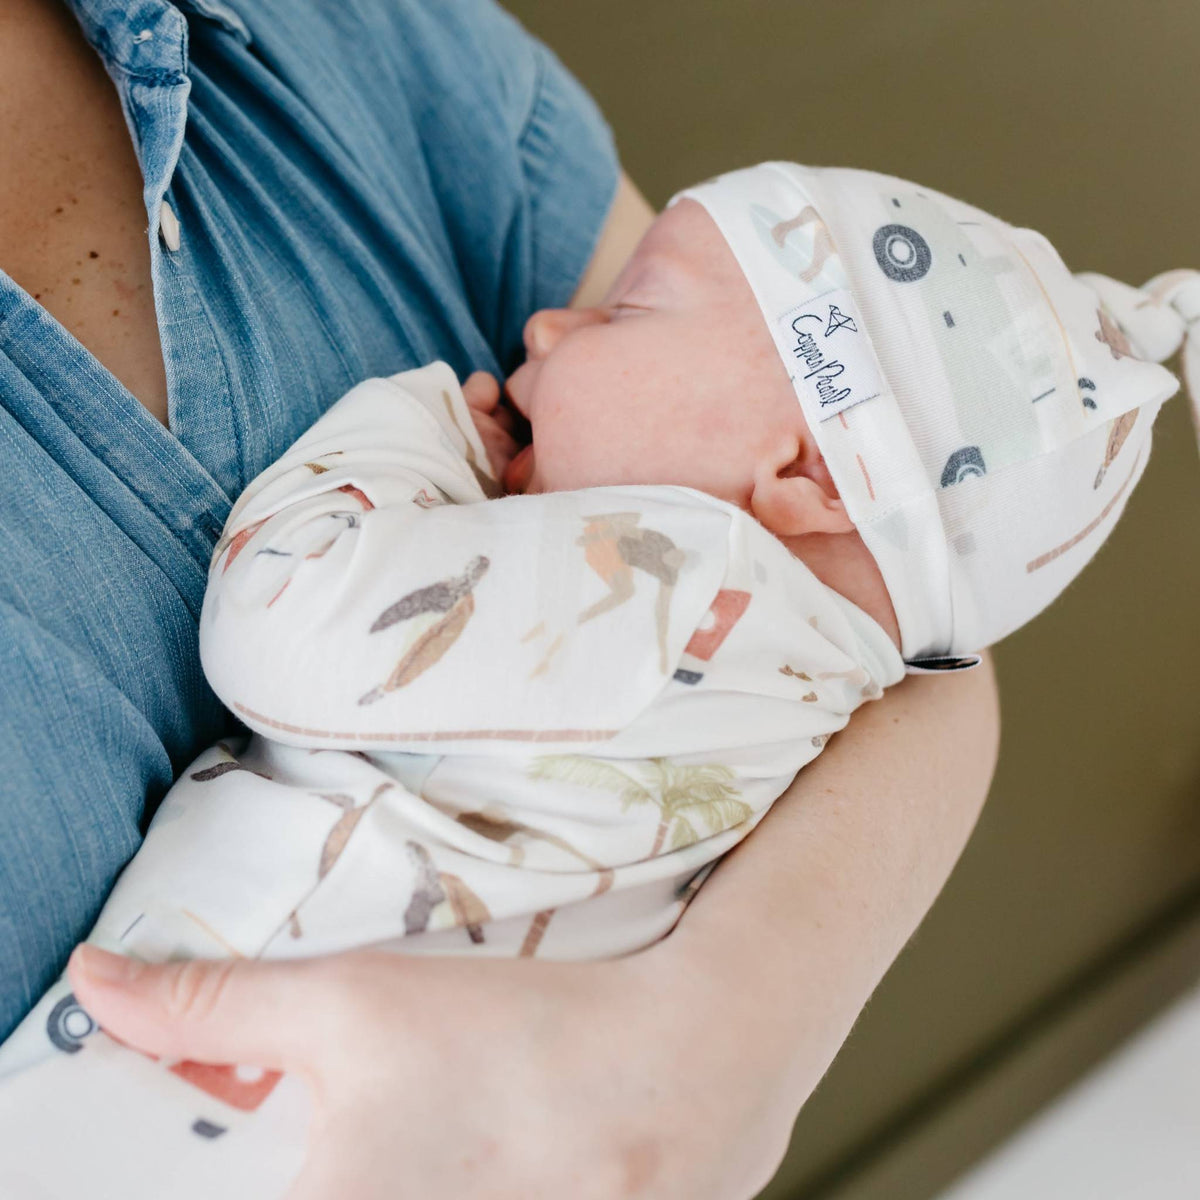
(148,38)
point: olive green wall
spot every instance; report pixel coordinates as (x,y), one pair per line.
(1081,120)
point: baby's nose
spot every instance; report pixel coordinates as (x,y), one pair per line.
(547,327)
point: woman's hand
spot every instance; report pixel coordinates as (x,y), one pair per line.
(446,1077)
(493,421)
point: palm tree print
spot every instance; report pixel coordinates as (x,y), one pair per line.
(688,797)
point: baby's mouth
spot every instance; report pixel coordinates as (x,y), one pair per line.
(519,471)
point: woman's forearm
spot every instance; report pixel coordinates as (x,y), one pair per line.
(800,922)
(629,216)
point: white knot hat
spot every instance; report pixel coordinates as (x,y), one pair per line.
(984,413)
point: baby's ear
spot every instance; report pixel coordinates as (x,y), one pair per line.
(794,493)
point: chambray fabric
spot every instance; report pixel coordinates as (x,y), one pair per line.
(361,187)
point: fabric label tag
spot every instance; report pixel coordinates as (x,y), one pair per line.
(829,355)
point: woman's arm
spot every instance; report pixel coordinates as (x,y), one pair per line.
(628,218)
(804,918)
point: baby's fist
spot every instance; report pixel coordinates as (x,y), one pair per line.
(494,423)
(481,392)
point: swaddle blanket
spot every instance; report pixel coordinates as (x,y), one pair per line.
(526,726)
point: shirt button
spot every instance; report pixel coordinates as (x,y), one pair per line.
(168,227)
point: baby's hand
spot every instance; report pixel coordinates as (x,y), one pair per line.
(493,421)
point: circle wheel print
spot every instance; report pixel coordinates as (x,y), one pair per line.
(68,1024)
(965,463)
(902,253)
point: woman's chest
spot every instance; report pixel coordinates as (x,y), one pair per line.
(72,220)
(294,259)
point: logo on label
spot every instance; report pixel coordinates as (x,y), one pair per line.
(839,320)
(834,364)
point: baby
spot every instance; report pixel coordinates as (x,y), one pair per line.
(830,427)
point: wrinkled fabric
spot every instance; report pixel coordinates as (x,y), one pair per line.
(360,187)
(513,727)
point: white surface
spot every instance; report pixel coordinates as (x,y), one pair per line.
(1130,1130)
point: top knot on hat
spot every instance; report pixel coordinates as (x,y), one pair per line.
(1157,318)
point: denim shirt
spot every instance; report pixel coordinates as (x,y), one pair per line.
(333,191)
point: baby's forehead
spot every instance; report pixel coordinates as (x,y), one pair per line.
(683,248)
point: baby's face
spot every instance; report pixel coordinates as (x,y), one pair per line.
(673,380)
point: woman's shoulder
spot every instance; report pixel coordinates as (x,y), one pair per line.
(445,96)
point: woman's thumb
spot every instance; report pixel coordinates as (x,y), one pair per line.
(225,1011)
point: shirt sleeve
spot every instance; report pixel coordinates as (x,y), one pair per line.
(522,161)
(570,170)
(495,168)
(363,594)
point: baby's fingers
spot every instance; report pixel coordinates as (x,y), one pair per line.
(481,391)
(503,416)
(501,448)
